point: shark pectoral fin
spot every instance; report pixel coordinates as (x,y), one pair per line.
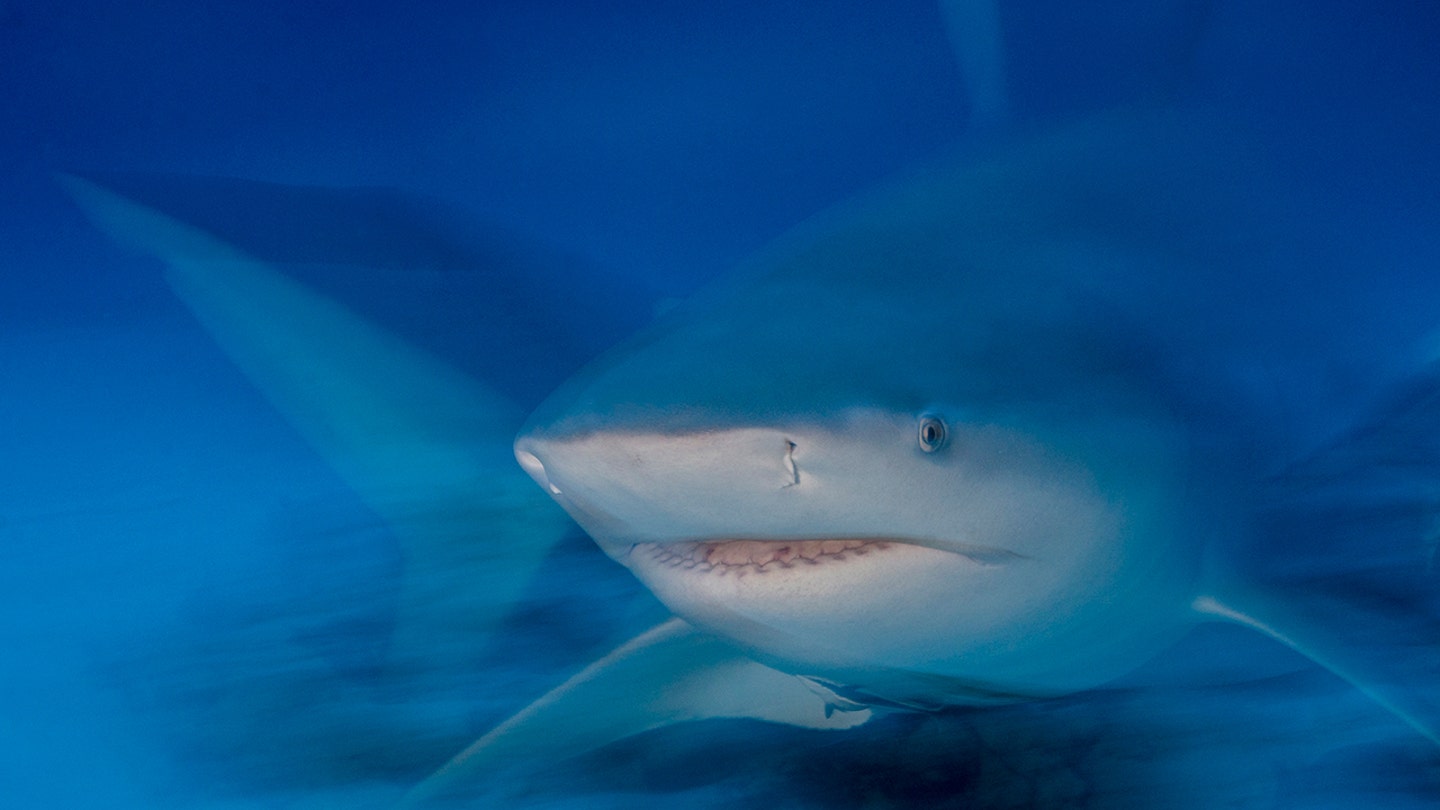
(1347,577)
(669,674)
(426,447)
(1390,656)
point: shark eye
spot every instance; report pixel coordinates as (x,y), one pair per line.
(932,433)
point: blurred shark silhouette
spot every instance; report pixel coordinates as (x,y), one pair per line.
(1001,431)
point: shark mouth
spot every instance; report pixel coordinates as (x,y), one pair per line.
(749,555)
(744,556)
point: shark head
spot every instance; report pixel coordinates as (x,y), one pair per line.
(869,462)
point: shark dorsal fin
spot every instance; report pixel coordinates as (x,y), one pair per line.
(975,36)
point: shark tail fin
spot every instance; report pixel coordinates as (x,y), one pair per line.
(670,674)
(426,447)
(1346,571)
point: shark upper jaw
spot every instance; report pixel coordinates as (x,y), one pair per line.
(645,508)
(777,555)
(762,555)
(740,557)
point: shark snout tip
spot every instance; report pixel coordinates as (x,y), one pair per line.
(527,453)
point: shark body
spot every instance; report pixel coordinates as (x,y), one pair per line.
(1008,430)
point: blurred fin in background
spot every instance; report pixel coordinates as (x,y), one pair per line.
(487,302)
(425,446)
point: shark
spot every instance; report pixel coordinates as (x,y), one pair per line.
(1000,431)
(1005,431)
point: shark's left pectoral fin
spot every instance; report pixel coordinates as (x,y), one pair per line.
(670,674)
(1391,655)
(1344,572)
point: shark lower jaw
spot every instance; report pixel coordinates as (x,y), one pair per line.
(823,606)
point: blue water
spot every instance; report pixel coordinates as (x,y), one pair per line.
(196,611)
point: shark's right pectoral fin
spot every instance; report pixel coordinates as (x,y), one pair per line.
(669,674)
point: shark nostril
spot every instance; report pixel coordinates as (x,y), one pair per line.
(790,466)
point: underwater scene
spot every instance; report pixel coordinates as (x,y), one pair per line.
(638,404)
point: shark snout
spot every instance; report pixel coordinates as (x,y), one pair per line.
(639,462)
(647,486)
(543,460)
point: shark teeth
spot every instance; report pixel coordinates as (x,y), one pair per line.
(756,555)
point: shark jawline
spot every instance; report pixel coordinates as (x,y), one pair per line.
(740,555)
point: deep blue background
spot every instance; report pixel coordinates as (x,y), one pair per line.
(154,510)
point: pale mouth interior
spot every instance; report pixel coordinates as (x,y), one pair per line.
(760,555)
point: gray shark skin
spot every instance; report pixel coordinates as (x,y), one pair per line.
(1010,428)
